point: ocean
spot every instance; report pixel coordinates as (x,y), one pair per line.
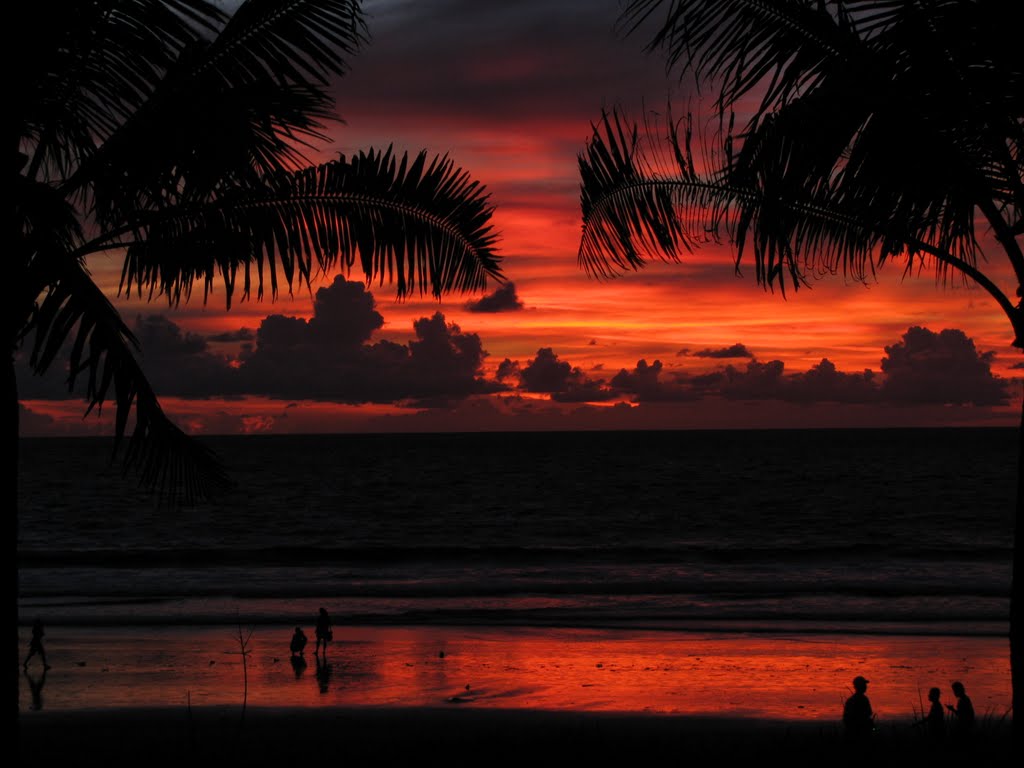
(817,531)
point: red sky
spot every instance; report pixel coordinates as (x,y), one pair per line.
(509,92)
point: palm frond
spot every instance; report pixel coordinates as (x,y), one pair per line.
(290,40)
(260,128)
(88,66)
(741,44)
(421,225)
(642,196)
(177,467)
(855,117)
(260,80)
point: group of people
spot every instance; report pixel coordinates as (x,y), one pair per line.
(859,719)
(323,632)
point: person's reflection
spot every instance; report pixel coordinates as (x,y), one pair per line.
(36,687)
(323,674)
(298,666)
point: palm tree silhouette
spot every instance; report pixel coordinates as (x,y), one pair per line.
(175,135)
(875,131)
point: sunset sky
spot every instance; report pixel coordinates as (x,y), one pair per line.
(509,91)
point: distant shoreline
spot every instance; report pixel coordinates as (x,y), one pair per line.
(1009,427)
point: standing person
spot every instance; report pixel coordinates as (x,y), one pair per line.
(963,713)
(323,631)
(858,719)
(35,645)
(935,721)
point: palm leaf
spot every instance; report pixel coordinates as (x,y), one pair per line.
(259,128)
(425,226)
(89,66)
(738,44)
(639,201)
(260,80)
(287,40)
(177,467)
(643,198)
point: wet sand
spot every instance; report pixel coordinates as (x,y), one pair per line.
(492,695)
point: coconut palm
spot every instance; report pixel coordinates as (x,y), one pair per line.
(843,136)
(177,136)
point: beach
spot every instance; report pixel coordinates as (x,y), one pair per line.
(530,611)
(494,695)
(429,736)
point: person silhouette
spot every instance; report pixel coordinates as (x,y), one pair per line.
(324,634)
(298,665)
(858,719)
(935,721)
(35,645)
(323,673)
(963,713)
(298,643)
(36,688)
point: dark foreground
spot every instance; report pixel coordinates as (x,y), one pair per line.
(427,736)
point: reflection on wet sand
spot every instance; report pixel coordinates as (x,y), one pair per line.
(795,676)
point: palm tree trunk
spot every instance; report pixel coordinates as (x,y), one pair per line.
(11,470)
(1017,598)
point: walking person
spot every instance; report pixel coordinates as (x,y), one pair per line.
(35,645)
(324,633)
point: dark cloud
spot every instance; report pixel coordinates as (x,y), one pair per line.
(768,381)
(503,299)
(759,381)
(331,357)
(176,363)
(179,363)
(507,369)
(1017,366)
(824,383)
(584,390)
(565,384)
(444,362)
(546,373)
(645,385)
(944,367)
(499,62)
(924,368)
(242,334)
(327,358)
(52,385)
(736,350)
